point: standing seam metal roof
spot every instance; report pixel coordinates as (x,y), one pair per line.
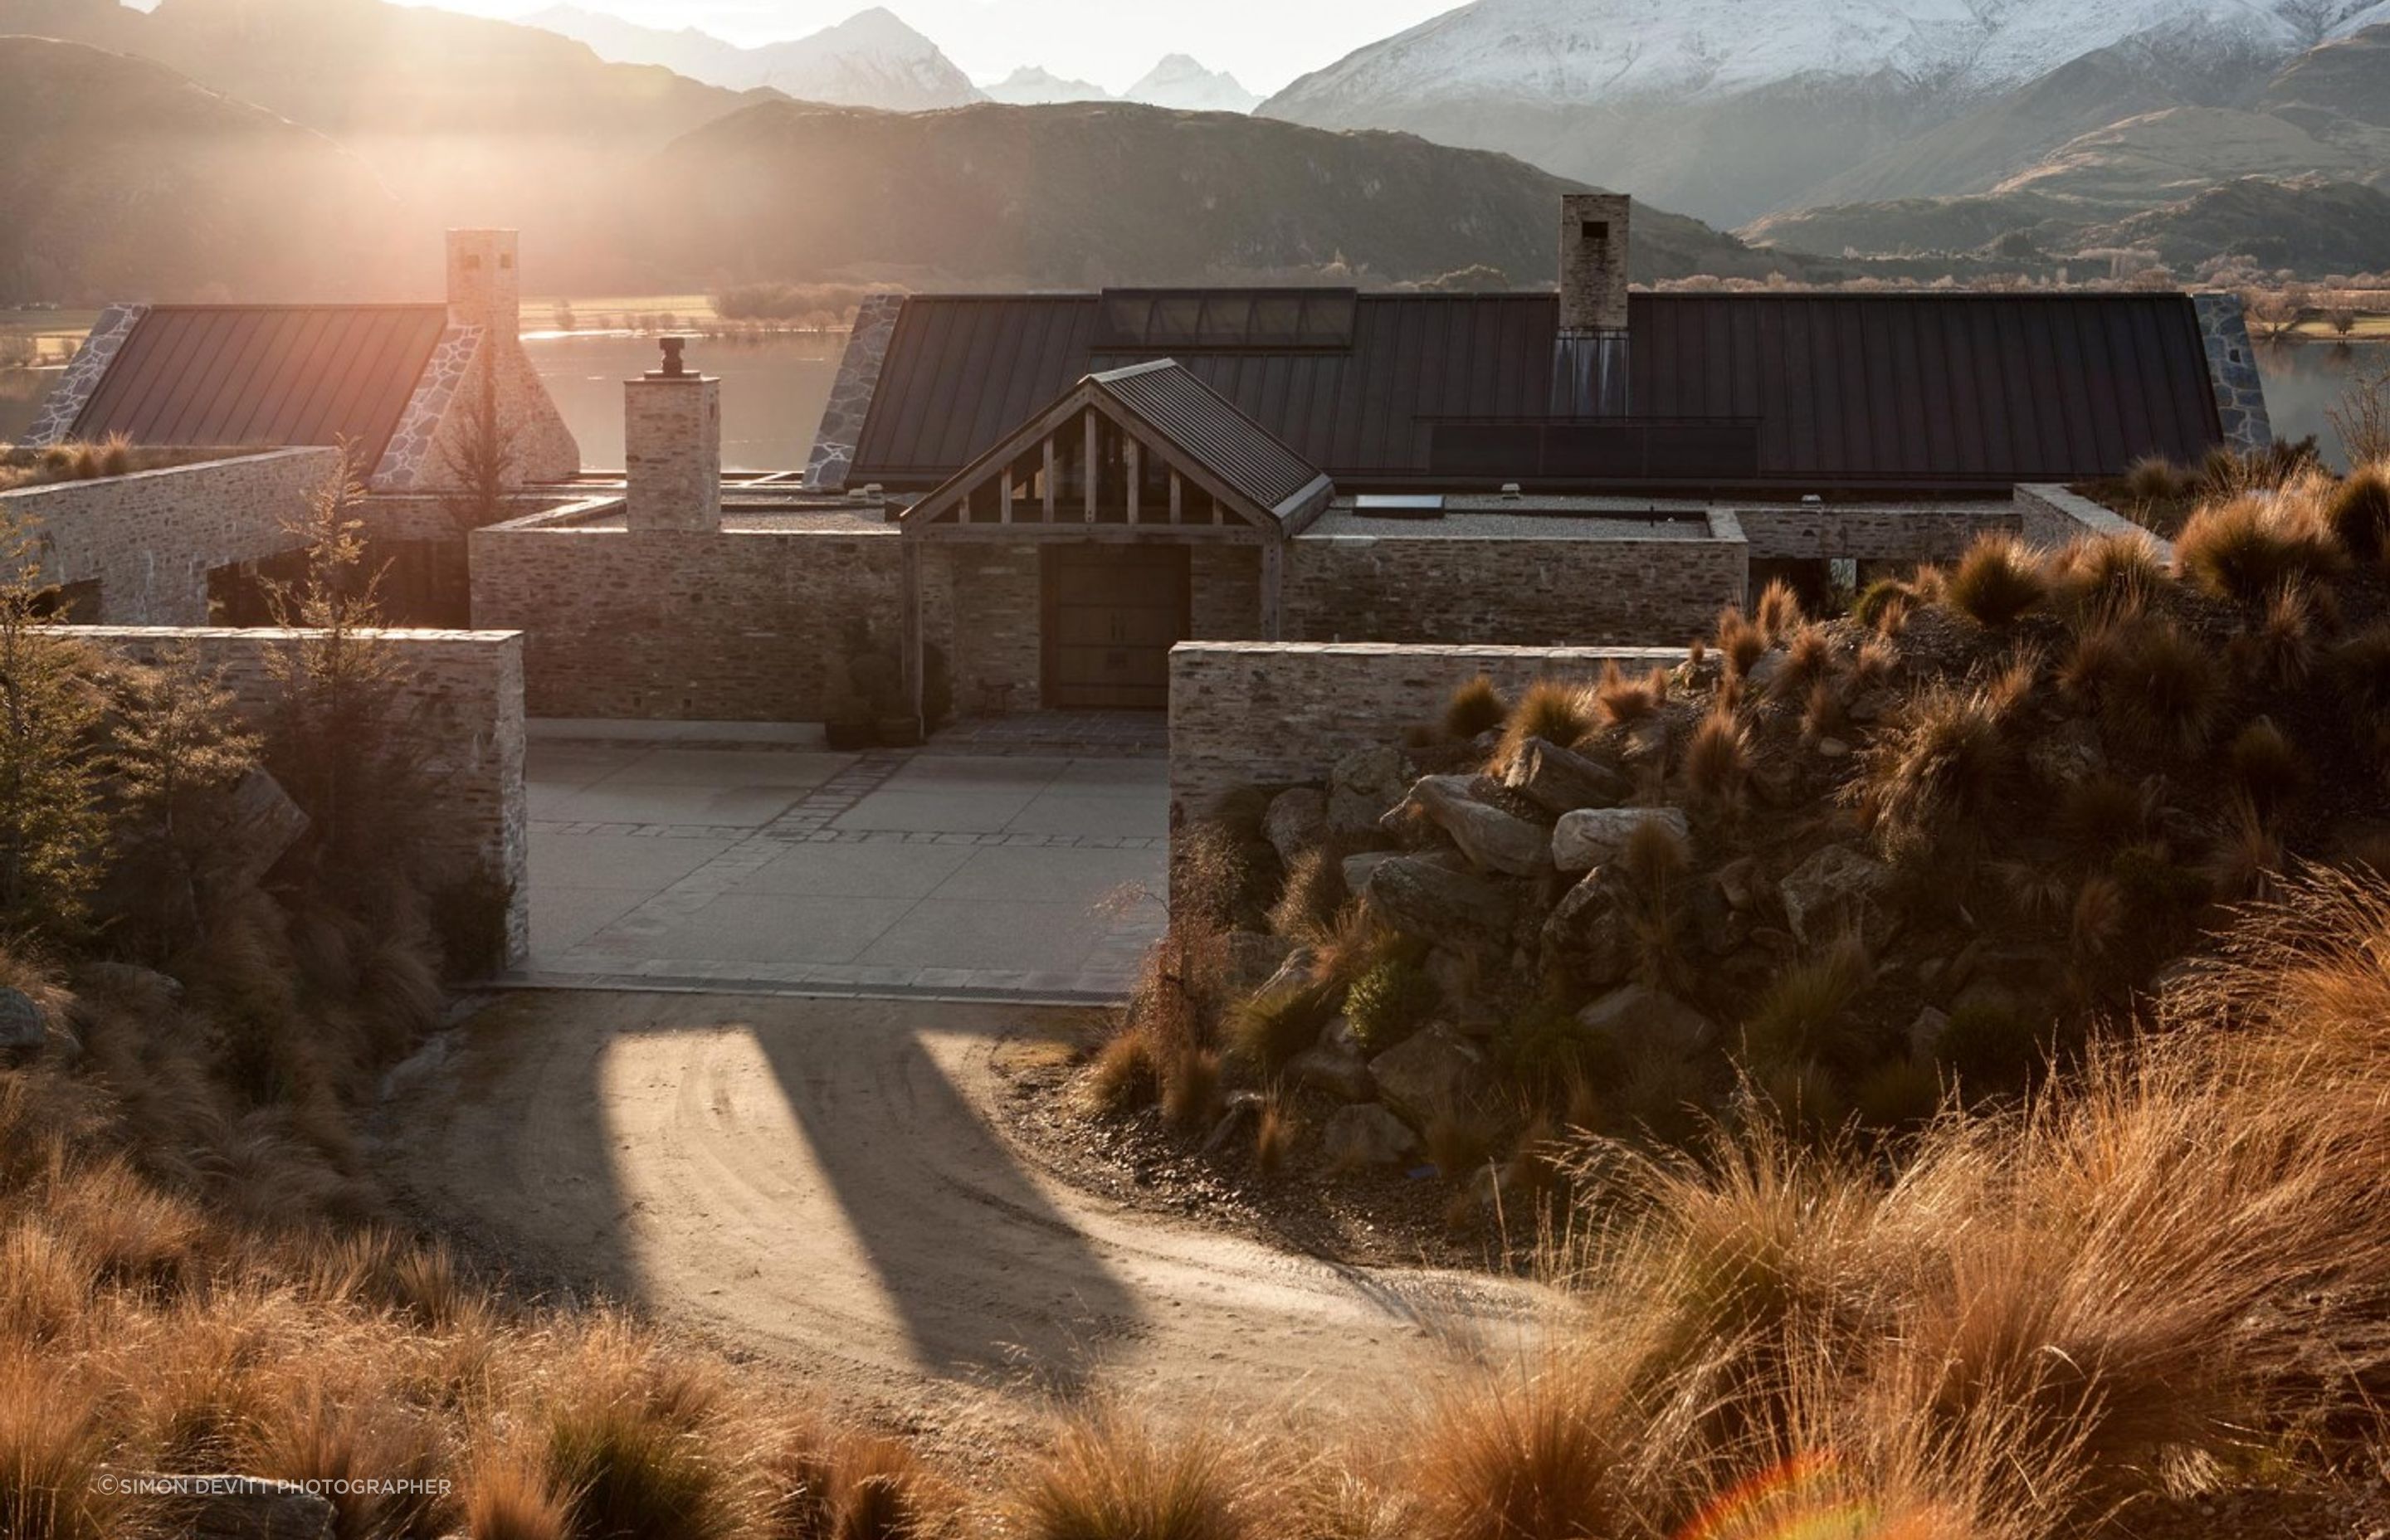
(1199,420)
(1911,390)
(278,374)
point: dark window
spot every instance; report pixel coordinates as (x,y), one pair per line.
(1598,231)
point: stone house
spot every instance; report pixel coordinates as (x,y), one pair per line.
(1039,495)
(400,383)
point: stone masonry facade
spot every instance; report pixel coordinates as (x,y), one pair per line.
(1277,713)
(464,689)
(2233,369)
(850,393)
(1871,532)
(150,539)
(67,398)
(2054,518)
(1523,590)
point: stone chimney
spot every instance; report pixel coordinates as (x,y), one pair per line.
(1589,356)
(484,287)
(671,446)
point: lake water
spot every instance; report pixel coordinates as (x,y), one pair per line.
(773,389)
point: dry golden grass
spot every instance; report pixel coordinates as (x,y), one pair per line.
(1617,698)
(1777,613)
(1113,1477)
(1718,761)
(1475,707)
(2247,547)
(1553,710)
(1997,583)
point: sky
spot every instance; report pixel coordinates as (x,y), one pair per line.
(1265,44)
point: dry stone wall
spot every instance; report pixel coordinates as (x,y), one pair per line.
(2052,517)
(1508,590)
(1871,532)
(1274,714)
(150,539)
(465,691)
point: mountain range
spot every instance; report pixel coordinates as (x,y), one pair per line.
(1735,112)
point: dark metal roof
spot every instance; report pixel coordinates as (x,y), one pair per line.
(1188,412)
(1859,390)
(279,375)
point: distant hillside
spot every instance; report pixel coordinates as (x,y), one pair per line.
(2314,226)
(120,179)
(1091,194)
(870,60)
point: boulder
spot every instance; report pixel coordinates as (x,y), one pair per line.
(1926,1034)
(1293,973)
(1586,935)
(1490,838)
(1359,866)
(1562,781)
(1296,821)
(1637,1017)
(1253,959)
(1460,984)
(263,823)
(1244,1110)
(1725,929)
(1836,886)
(1593,837)
(1738,882)
(238,1507)
(1368,1136)
(1334,1071)
(24,1025)
(1872,706)
(1432,1070)
(1363,786)
(1422,897)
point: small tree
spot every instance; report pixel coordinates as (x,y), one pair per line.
(340,740)
(176,747)
(481,458)
(2362,418)
(52,826)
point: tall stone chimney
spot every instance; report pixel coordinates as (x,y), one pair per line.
(1589,356)
(671,446)
(484,286)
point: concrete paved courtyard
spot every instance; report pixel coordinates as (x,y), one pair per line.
(970,869)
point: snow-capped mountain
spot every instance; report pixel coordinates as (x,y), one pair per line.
(1184,84)
(1730,107)
(1033,86)
(870,60)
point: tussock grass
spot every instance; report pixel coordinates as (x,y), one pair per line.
(1741,641)
(1777,613)
(2247,547)
(1475,707)
(1618,700)
(2357,510)
(1803,1015)
(1997,583)
(1314,896)
(1267,1031)
(1552,710)
(1718,761)
(1112,1476)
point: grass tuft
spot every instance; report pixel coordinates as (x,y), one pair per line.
(1997,583)
(2246,548)
(1475,708)
(1108,1478)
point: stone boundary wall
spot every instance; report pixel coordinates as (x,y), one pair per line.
(150,539)
(1274,714)
(1512,590)
(730,625)
(2054,518)
(1871,532)
(468,689)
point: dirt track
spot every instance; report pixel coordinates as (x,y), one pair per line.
(817,1181)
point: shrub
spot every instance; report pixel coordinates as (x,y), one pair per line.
(1126,1075)
(51,821)
(1315,893)
(2268,769)
(1777,614)
(1389,1003)
(2155,479)
(1740,643)
(634,1475)
(2358,511)
(1805,1014)
(1617,698)
(1718,760)
(1552,710)
(2247,547)
(1997,583)
(1107,1478)
(2360,669)
(1269,1030)
(1991,1046)
(1475,708)
(1190,1088)
(1885,604)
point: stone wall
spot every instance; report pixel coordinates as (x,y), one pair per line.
(996,638)
(73,393)
(734,625)
(1525,591)
(1271,713)
(2232,370)
(2053,518)
(150,539)
(850,393)
(465,688)
(1871,532)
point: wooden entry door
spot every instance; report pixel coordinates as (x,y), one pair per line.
(1111,615)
